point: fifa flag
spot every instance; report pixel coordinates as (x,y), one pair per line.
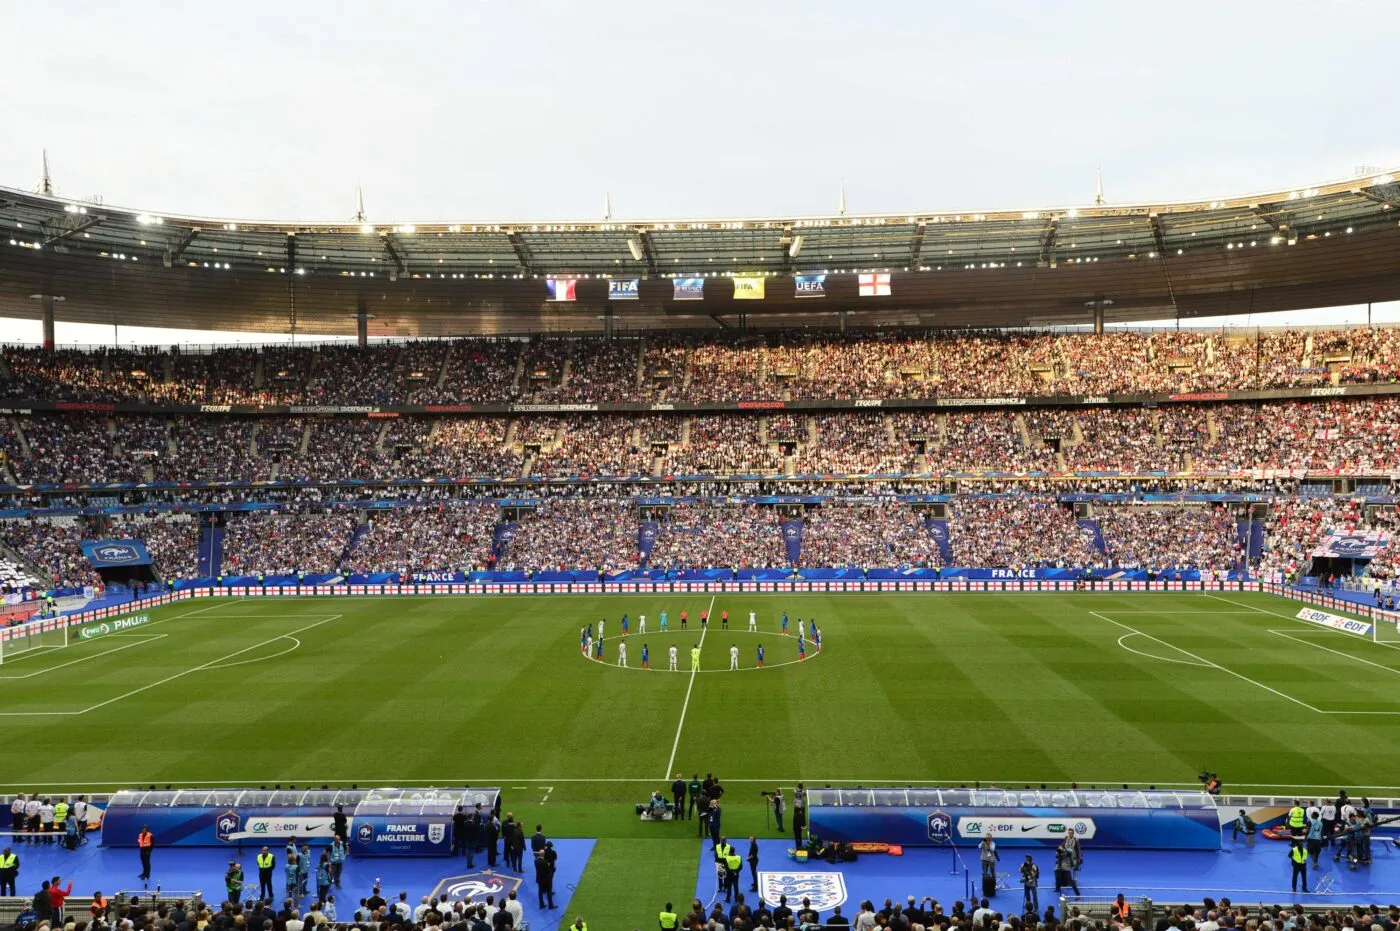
(874,285)
(809,286)
(688,289)
(748,289)
(562,289)
(623,289)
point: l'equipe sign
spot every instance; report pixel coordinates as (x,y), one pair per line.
(1335,621)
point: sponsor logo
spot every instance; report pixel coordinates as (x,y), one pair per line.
(1031,828)
(333,409)
(1326,392)
(1094,399)
(761,405)
(866,402)
(256,827)
(437,833)
(448,408)
(663,407)
(103,628)
(552,408)
(475,887)
(940,827)
(826,890)
(83,406)
(980,402)
(1201,396)
(226,825)
(1335,621)
(215,408)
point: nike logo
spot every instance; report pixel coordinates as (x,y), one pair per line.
(1031,827)
(312,827)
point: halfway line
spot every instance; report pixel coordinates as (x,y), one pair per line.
(686,704)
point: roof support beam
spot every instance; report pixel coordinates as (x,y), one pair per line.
(916,248)
(58,234)
(1373,196)
(399,264)
(648,250)
(522,253)
(1158,236)
(1047,244)
(1274,220)
(172,254)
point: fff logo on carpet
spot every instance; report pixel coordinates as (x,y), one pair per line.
(825,890)
(475,887)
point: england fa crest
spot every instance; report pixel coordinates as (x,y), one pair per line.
(437,833)
(826,890)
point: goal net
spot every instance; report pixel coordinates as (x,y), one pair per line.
(1387,627)
(50,633)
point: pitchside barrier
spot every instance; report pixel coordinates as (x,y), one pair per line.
(1100,818)
(955,586)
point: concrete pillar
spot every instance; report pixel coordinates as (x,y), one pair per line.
(361,324)
(1098,318)
(608,323)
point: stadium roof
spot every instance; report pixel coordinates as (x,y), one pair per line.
(1333,244)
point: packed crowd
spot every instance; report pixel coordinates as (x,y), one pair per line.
(839,536)
(572,535)
(1137,537)
(712,367)
(1256,440)
(286,542)
(426,539)
(704,535)
(1025,532)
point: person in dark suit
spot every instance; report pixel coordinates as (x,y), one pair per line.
(678,796)
(493,834)
(545,865)
(459,834)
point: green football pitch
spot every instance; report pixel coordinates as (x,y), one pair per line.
(936,689)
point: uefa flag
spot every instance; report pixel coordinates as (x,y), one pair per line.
(748,289)
(688,289)
(809,286)
(874,285)
(561,289)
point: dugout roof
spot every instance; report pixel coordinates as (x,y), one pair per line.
(1336,243)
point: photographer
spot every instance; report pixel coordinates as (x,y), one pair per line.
(779,806)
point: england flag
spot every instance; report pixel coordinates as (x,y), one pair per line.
(874,285)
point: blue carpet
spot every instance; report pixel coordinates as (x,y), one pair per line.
(1244,874)
(201,869)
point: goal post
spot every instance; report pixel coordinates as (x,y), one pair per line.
(49,633)
(1386,627)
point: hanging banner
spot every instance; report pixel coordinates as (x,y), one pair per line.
(809,286)
(561,289)
(874,285)
(103,554)
(748,289)
(688,289)
(792,540)
(624,289)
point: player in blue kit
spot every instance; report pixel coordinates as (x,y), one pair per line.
(598,649)
(785,623)
(646,657)
(801,649)
(813,622)
(760,656)
(624,625)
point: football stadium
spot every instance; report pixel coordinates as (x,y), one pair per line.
(981,570)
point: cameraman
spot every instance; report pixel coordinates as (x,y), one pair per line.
(779,806)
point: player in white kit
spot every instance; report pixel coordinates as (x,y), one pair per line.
(622,652)
(734,657)
(753,623)
(673,659)
(641,623)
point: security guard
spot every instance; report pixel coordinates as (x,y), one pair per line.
(1297,820)
(733,864)
(1299,858)
(60,813)
(144,842)
(579,925)
(9,870)
(668,920)
(266,863)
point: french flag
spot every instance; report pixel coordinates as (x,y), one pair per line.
(562,289)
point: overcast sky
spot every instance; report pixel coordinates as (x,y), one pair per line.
(530,109)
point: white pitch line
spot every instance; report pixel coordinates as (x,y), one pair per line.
(675,744)
(1206,662)
(84,659)
(1153,656)
(205,666)
(1289,635)
(296,645)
